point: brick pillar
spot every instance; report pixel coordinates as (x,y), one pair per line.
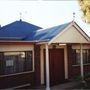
(69,54)
(37,64)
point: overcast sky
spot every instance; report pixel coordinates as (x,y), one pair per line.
(42,13)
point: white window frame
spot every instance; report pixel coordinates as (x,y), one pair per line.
(33,64)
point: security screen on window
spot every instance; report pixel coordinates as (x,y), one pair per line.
(16,62)
(76,56)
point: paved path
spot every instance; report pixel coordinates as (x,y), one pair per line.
(64,86)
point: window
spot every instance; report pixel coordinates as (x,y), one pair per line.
(76,56)
(16,62)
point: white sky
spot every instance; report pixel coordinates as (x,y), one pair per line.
(41,12)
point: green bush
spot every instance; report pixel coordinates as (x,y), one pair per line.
(87,75)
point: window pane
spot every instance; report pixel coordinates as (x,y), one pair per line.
(16,62)
(85,56)
(1,63)
(74,57)
(10,63)
(20,62)
(88,55)
(28,61)
(77,56)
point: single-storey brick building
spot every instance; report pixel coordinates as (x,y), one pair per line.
(35,56)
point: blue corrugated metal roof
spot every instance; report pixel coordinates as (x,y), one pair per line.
(17,30)
(47,34)
(20,30)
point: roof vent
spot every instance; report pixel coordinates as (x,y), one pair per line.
(0,25)
(20,16)
(73,16)
(20,20)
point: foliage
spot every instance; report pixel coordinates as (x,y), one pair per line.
(85,7)
(84,84)
(78,78)
(87,76)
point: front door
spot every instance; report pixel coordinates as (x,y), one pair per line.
(56,63)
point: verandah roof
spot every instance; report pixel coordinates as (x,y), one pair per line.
(47,34)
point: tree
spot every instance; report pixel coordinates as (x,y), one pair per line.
(85,7)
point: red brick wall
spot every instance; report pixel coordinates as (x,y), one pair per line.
(16,80)
(69,54)
(73,71)
(33,78)
(76,70)
(37,64)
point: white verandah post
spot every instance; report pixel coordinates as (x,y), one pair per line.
(81,62)
(47,68)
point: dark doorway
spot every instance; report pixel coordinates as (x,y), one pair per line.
(56,63)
